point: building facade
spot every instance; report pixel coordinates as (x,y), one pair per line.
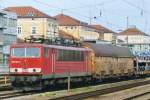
(8,33)
(32,22)
(105,34)
(76,28)
(136,40)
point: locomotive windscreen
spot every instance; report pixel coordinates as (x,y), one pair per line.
(25,52)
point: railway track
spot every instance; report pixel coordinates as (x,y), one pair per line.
(138,96)
(7,94)
(102,92)
(13,94)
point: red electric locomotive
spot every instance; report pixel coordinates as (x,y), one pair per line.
(38,65)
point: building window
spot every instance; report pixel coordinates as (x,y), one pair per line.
(66,27)
(33,30)
(71,27)
(19,30)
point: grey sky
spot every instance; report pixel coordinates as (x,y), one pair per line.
(113,12)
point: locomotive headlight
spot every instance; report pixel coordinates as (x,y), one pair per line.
(34,70)
(15,70)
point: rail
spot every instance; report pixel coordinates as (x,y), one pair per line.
(13,94)
(101,91)
(137,96)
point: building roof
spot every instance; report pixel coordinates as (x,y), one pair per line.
(65,35)
(27,12)
(101,28)
(132,31)
(110,50)
(65,20)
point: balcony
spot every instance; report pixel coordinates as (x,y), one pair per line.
(3,22)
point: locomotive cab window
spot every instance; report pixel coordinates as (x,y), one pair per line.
(25,52)
(70,55)
(18,52)
(32,52)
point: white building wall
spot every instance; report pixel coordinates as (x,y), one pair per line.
(134,39)
(137,43)
(88,33)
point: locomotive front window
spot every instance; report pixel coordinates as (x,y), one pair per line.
(33,52)
(18,52)
(26,52)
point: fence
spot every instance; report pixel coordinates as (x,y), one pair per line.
(4,75)
(4,70)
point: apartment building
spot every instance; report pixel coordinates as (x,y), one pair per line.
(105,34)
(135,39)
(77,28)
(33,22)
(8,33)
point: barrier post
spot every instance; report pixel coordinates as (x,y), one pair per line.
(69,82)
(5,79)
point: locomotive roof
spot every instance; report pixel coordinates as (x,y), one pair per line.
(51,46)
(110,50)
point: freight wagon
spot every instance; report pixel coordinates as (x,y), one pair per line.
(112,61)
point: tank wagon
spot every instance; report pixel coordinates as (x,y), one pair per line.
(112,61)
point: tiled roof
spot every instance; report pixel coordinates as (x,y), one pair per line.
(65,20)
(65,35)
(100,28)
(27,12)
(132,31)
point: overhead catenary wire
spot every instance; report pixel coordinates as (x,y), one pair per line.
(62,10)
(93,5)
(135,6)
(73,8)
(59,8)
(143,13)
